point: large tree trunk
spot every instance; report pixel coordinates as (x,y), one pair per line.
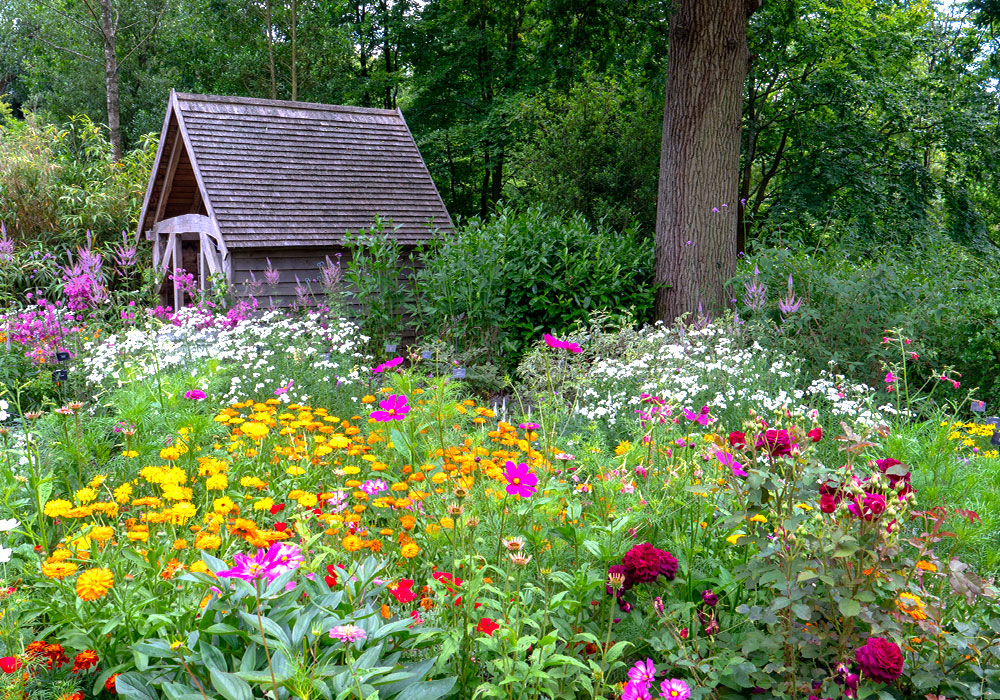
(700,156)
(109,28)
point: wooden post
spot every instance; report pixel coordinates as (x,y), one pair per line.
(178,260)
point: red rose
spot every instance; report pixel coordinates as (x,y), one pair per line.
(737,439)
(816,434)
(281,527)
(9,664)
(777,443)
(880,660)
(487,626)
(827,503)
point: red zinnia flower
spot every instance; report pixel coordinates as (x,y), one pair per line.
(331,575)
(645,562)
(487,626)
(9,664)
(402,591)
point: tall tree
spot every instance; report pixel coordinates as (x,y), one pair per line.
(60,26)
(707,64)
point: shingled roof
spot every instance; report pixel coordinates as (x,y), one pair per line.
(276,173)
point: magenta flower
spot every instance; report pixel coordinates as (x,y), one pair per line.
(394,362)
(347,633)
(554,342)
(195,395)
(701,418)
(636,691)
(395,407)
(284,389)
(248,568)
(520,481)
(675,689)
(727,459)
(643,672)
(280,558)
(890,378)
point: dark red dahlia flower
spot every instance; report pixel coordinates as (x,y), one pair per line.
(880,660)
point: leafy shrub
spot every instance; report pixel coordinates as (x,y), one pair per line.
(501,283)
(57,182)
(937,293)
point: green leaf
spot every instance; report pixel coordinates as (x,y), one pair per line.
(849,607)
(131,687)
(615,652)
(231,687)
(427,690)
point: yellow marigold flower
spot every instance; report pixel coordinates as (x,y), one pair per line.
(295,494)
(447,523)
(255,431)
(138,535)
(101,533)
(351,543)
(409,550)
(407,522)
(223,506)
(295,470)
(94,584)
(200,567)
(97,481)
(58,569)
(368,398)
(60,554)
(263,504)
(623,447)
(180,544)
(307,500)
(924,565)
(123,493)
(218,482)
(758,519)
(130,453)
(735,537)
(57,508)
(911,605)
(151,501)
(253,482)
(170,454)
(207,541)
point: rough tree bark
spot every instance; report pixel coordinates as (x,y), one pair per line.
(109,28)
(700,155)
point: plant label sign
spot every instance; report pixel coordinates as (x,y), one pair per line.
(978,406)
(426,355)
(390,347)
(458,373)
(60,375)
(62,356)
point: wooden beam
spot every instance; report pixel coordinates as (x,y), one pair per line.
(168,180)
(201,261)
(185,223)
(178,260)
(156,165)
(164,268)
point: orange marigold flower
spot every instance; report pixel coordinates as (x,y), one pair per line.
(409,550)
(351,543)
(58,569)
(408,522)
(924,565)
(94,584)
(84,660)
(911,605)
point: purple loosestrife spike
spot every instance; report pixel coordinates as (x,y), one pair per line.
(271,276)
(756,295)
(790,303)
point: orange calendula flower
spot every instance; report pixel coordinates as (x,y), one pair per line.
(94,584)
(409,550)
(351,543)
(924,565)
(911,605)
(58,569)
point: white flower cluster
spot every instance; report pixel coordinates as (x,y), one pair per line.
(3,410)
(707,367)
(262,349)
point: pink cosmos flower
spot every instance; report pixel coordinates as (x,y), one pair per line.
(554,342)
(675,689)
(520,481)
(701,418)
(284,389)
(389,364)
(195,395)
(727,459)
(394,407)
(643,672)
(636,691)
(248,568)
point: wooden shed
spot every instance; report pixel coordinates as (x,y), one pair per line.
(238,181)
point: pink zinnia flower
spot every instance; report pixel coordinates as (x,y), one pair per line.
(520,481)
(393,408)
(347,633)
(195,395)
(675,689)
